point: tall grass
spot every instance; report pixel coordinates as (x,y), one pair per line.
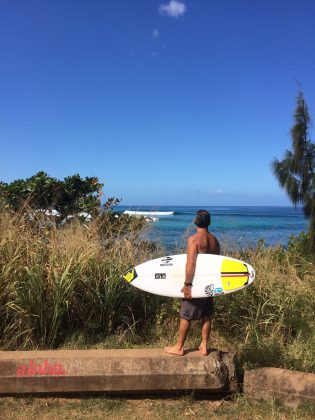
(272,322)
(59,284)
(54,281)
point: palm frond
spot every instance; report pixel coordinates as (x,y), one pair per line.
(296,172)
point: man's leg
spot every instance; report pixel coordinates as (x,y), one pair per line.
(205,333)
(178,349)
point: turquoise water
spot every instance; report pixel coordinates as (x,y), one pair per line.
(235,227)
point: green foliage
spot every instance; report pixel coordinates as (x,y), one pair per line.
(296,172)
(299,250)
(42,192)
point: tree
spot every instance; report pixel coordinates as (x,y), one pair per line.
(296,172)
(42,192)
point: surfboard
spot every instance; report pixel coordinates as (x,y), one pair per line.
(215,275)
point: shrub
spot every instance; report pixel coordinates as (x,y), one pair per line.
(54,281)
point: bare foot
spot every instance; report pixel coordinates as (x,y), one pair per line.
(203,350)
(174,350)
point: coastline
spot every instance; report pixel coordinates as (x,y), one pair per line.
(236,227)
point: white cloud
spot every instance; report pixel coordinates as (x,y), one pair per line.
(173,8)
(155,34)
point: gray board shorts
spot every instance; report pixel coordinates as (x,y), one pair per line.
(194,309)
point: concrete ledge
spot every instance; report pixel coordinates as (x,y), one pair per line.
(136,370)
(291,387)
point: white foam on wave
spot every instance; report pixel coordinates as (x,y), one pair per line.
(149,213)
(152,219)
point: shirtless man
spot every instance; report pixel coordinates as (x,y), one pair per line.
(201,242)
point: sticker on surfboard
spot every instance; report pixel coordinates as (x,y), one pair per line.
(130,275)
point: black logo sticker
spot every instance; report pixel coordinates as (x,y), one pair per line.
(166,262)
(209,290)
(160,276)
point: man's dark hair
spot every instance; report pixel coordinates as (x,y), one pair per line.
(203,219)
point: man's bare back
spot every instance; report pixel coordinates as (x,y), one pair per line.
(204,242)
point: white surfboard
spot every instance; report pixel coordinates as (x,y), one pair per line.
(214,275)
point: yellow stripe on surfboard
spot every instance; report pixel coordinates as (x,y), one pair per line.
(234,274)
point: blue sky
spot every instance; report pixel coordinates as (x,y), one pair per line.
(182,102)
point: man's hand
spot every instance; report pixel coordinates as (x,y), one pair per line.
(187,292)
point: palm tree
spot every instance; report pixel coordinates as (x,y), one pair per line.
(296,172)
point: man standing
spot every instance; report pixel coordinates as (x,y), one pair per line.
(202,242)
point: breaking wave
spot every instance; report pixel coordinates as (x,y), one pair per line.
(148,213)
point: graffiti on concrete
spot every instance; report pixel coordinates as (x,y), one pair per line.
(41,369)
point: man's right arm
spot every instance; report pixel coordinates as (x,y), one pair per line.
(192,252)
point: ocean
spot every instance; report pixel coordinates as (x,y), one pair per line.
(235,227)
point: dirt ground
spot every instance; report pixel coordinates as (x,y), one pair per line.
(170,407)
